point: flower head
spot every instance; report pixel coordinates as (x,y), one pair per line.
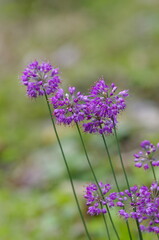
(103,107)
(95,198)
(141,203)
(147,156)
(40,79)
(68,107)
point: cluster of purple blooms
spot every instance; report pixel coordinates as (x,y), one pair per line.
(40,79)
(103,107)
(141,203)
(95,196)
(146,157)
(98,112)
(69,107)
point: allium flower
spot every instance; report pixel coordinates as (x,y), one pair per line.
(39,78)
(95,201)
(68,107)
(141,203)
(147,156)
(103,107)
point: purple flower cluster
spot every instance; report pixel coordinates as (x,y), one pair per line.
(96,201)
(98,109)
(69,107)
(141,203)
(40,79)
(103,107)
(146,157)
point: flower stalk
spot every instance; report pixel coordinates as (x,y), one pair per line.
(67,167)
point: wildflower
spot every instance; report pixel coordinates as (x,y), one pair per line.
(40,79)
(68,107)
(103,107)
(96,201)
(146,157)
(141,203)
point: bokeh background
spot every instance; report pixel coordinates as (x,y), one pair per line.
(86,39)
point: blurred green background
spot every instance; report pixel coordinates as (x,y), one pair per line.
(86,39)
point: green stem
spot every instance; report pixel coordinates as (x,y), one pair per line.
(126,178)
(67,167)
(95,178)
(139,230)
(110,162)
(128,227)
(120,156)
(111,220)
(105,222)
(112,168)
(153,171)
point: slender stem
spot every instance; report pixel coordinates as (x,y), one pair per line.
(67,167)
(153,171)
(112,223)
(139,230)
(124,171)
(105,222)
(106,225)
(112,168)
(128,227)
(120,156)
(95,178)
(110,162)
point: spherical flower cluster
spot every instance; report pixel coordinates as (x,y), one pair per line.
(68,107)
(146,157)
(40,79)
(141,203)
(103,107)
(96,201)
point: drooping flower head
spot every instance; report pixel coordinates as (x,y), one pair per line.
(68,107)
(96,201)
(147,156)
(40,78)
(103,107)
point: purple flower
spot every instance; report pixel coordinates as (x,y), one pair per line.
(103,107)
(145,144)
(141,203)
(95,198)
(146,157)
(68,107)
(40,79)
(124,214)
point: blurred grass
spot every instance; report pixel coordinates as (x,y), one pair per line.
(86,39)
